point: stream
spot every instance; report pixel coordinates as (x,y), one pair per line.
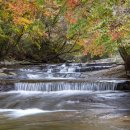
(56,97)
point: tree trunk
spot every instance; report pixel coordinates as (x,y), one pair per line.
(126,57)
(123,52)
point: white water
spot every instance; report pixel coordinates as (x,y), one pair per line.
(62,86)
(62,104)
(17,113)
(61,71)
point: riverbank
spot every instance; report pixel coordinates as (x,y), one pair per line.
(117,71)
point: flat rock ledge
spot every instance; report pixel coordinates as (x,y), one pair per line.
(114,72)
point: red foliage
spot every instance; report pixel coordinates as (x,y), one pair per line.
(70,18)
(73,3)
(22,11)
(115,35)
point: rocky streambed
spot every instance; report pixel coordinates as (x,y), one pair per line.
(64,97)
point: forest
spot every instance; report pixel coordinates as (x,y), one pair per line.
(64,64)
(54,31)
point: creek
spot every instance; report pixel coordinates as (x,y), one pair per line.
(56,97)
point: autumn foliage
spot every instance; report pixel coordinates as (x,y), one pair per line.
(55,28)
(22,11)
(73,3)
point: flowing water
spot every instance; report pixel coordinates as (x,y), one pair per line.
(64,103)
(53,71)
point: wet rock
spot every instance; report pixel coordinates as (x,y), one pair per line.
(86,98)
(44,70)
(68,64)
(123,86)
(82,69)
(4,88)
(101,64)
(91,68)
(3,75)
(55,70)
(12,73)
(1,71)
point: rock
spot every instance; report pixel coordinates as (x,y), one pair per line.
(12,73)
(83,69)
(92,68)
(6,87)
(123,86)
(114,72)
(1,71)
(55,70)
(3,75)
(101,64)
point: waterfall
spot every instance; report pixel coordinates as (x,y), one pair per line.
(61,86)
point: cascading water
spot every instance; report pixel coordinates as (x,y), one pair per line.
(68,70)
(61,86)
(57,97)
